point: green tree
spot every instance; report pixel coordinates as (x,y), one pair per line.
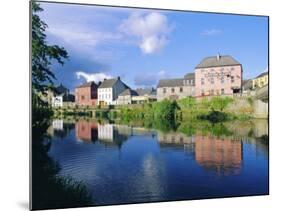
(43,55)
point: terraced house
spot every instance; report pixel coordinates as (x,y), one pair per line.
(177,88)
(218,75)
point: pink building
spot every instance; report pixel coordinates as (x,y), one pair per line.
(218,75)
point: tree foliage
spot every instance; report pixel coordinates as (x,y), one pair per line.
(43,55)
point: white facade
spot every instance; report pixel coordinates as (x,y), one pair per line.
(105,132)
(57,101)
(105,95)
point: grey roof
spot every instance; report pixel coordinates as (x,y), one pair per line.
(189,76)
(128,92)
(88,84)
(170,82)
(146,91)
(108,83)
(262,74)
(214,62)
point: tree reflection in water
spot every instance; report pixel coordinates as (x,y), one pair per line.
(48,189)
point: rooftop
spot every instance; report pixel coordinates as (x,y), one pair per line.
(170,82)
(109,83)
(88,84)
(189,76)
(145,91)
(262,74)
(217,61)
(129,92)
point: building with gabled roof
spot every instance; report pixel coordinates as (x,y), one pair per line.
(260,81)
(218,75)
(86,94)
(176,88)
(109,90)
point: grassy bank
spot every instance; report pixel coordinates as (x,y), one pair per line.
(216,109)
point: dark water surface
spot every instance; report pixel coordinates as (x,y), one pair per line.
(128,164)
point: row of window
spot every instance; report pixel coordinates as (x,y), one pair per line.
(212,70)
(104,96)
(104,90)
(188,82)
(213,81)
(212,92)
(172,90)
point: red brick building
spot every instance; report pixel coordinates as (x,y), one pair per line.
(86,94)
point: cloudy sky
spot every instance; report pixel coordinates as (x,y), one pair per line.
(142,46)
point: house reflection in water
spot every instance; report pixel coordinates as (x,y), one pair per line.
(110,135)
(176,139)
(86,131)
(222,155)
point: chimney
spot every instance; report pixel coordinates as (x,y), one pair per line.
(118,77)
(218,57)
(104,79)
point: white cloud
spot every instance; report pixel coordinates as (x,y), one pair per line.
(211,32)
(151,30)
(83,37)
(96,77)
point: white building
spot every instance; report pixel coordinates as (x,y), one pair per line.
(109,91)
(57,101)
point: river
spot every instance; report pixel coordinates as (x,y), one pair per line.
(122,163)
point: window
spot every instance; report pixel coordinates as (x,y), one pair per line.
(164,90)
(232,79)
(181,89)
(202,92)
(82,97)
(222,91)
(212,92)
(222,80)
(173,90)
(212,80)
(232,68)
(202,81)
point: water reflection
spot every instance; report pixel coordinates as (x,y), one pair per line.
(151,164)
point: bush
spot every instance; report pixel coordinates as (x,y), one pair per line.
(220,103)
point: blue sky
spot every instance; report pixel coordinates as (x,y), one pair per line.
(142,46)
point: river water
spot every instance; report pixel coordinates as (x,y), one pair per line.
(129,163)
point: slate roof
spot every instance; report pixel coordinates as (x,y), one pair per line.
(170,82)
(128,92)
(214,62)
(262,74)
(189,76)
(109,83)
(88,84)
(146,91)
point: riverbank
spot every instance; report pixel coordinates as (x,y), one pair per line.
(215,109)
